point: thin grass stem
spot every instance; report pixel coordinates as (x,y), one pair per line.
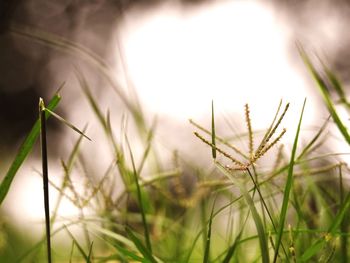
(45,176)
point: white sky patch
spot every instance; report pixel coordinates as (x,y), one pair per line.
(233,52)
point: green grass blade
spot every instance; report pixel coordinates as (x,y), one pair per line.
(58,117)
(111,234)
(140,200)
(232,249)
(85,87)
(71,253)
(318,245)
(24,150)
(90,253)
(315,139)
(340,215)
(190,251)
(288,188)
(80,248)
(207,245)
(126,253)
(67,171)
(336,85)
(141,248)
(325,94)
(312,250)
(148,146)
(213,149)
(257,220)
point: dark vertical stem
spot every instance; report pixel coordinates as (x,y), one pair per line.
(45,176)
(213,136)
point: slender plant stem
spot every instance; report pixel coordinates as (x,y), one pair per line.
(45,176)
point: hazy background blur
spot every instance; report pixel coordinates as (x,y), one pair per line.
(168,46)
(176,55)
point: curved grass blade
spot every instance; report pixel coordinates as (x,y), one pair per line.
(85,87)
(140,200)
(345,207)
(81,250)
(67,171)
(71,253)
(87,55)
(325,94)
(313,140)
(207,245)
(24,150)
(336,85)
(88,260)
(141,248)
(202,230)
(257,220)
(288,188)
(121,258)
(312,250)
(317,246)
(112,235)
(233,247)
(58,117)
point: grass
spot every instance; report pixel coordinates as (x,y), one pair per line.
(23,152)
(256,206)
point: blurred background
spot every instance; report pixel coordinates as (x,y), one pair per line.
(171,57)
(170,49)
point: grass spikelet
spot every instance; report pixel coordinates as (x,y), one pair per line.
(271,132)
(235,161)
(224,142)
(264,146)
(267,147)
(250,132)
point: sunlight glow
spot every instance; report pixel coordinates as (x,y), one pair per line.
(25,200)
(233,52)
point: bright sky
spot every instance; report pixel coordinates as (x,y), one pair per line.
(233,52)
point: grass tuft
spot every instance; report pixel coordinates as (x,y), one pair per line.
(140,209)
